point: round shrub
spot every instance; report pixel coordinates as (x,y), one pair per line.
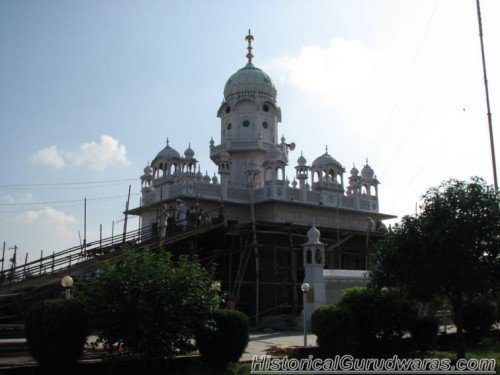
(424,332)
(56,331)
(226,341)
(360,304)
(330,325)
(376,319)
(479,315)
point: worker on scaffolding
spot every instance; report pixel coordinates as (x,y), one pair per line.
(193,216)
(164,213)
(180,218)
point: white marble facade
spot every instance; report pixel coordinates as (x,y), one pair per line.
(252,159)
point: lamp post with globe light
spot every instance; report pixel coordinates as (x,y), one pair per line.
(305,287)
(67,283)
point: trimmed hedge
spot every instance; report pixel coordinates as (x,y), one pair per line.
(331,326)
(364,322)
(56,331)
(226,341)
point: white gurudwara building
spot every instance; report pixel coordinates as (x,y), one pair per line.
(252,157)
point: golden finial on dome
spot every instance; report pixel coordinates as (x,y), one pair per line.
(249,39)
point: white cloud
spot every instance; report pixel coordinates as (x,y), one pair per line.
(99,156)
(50,219)
(340,72)
(49,156)
(18,198)
(96,155)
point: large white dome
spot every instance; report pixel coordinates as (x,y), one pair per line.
(250,79)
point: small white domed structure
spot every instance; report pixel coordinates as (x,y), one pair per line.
(206,178)
(367,172)
(199,175)
(327,173)
(189,153)
(354,171)
(313,235)
(301,160)
(168,153)
(326,161)
(148,171)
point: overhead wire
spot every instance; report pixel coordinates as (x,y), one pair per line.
(89,201)
(443,65)
(69,201)
(389,122)
(412,124)
(51,188)
(68,183)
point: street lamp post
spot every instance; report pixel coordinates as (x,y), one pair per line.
(67,283)
(305,288)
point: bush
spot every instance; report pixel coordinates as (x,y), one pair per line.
(226,341)
(479,315)
(150,303)
(56,331)
(359,302)
(376,319)
(424,332)
(330,325)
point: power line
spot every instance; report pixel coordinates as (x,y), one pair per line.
(92,201)
(80,187)
(68,183)
(55,202)
(388,165)
(388,125)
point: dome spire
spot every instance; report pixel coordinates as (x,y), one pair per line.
(249,39)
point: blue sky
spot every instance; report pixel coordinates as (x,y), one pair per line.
(90,90)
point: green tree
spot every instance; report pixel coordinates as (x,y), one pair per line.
(450,250)
(150,303)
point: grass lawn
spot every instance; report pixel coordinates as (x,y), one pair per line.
(486,348)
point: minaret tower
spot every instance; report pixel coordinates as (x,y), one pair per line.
(314,262)
(302,174)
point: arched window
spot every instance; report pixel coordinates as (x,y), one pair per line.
(308,257)
(269,174)
(317,256)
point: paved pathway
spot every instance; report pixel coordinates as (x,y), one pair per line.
(259,344)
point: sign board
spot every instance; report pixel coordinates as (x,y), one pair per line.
(310,295)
